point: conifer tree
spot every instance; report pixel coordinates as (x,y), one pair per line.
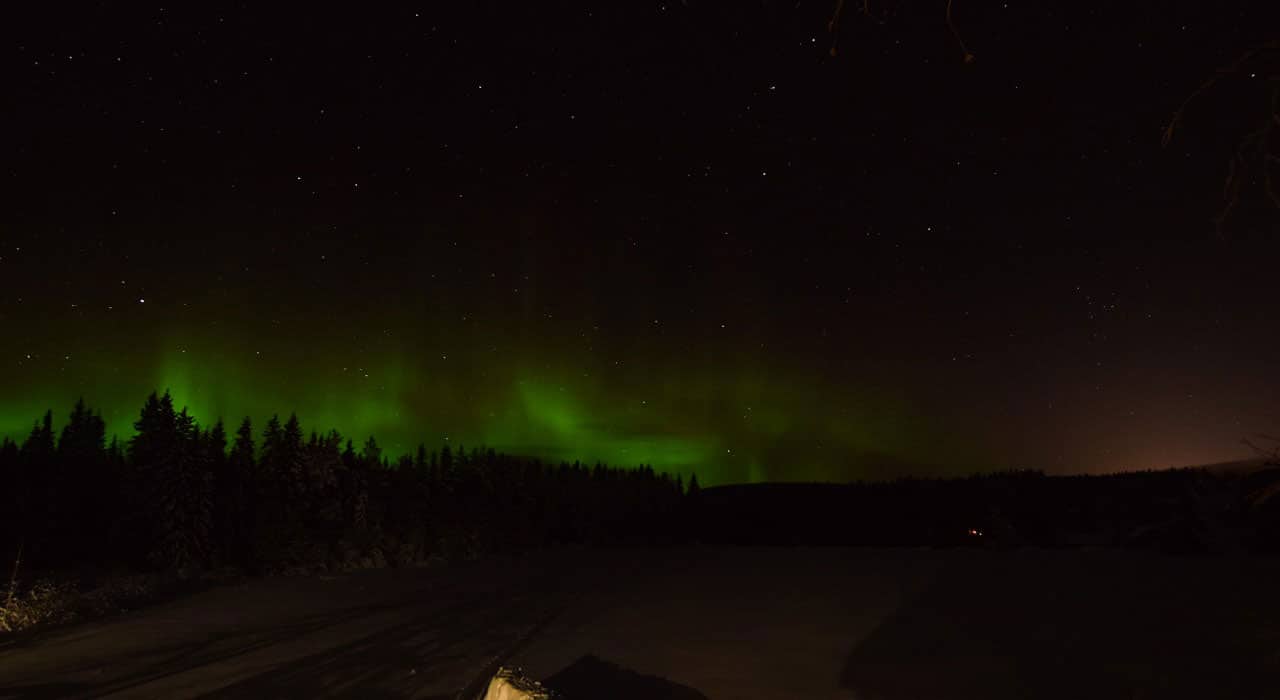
(371,454)
(84,436)
(236,495)
(115,453)
(216,444)
(13,499)
(272,437)
(269,486)
(323,466)
(290,464)
(183,498)
(80,486)
(694,489)
(37,462)
(39,443)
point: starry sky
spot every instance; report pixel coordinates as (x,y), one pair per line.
(688,234)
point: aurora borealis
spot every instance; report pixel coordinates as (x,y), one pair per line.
(670,235)
(728,423)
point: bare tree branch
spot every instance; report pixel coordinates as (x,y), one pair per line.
(834,24)
(1231,69)
(1257,145)
(968,57)
(1271,454)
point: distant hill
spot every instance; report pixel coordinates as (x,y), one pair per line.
(1217,508)
(1239,466)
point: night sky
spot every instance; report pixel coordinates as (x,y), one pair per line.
(675,233)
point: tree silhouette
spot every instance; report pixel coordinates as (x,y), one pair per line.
(234,484)
(175,498)
(39,504)
(172,479)
(13,498)
(371,454)
(81,484)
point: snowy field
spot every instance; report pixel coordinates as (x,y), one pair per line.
(699,622)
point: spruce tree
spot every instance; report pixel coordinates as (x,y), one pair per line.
(371,454)
(84,436)
(237,495)
(269,485)
(184,499)
(171,486)
(323,464)
(13,498)
(694,489)
(115,453)
(290,464)
(149,449)
(216,444)
(81,485)
(37,484)
(271,444)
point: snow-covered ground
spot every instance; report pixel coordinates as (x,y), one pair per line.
(699,622)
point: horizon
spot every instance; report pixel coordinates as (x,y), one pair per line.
(709,478)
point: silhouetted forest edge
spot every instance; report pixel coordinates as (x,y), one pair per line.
(91,527)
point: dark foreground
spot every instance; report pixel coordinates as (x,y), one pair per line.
(695,622)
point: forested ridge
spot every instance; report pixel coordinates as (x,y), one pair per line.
(179,495)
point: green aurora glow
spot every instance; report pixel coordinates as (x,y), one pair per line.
(740,422)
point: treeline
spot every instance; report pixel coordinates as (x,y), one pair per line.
(1182,511)
(179,495)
